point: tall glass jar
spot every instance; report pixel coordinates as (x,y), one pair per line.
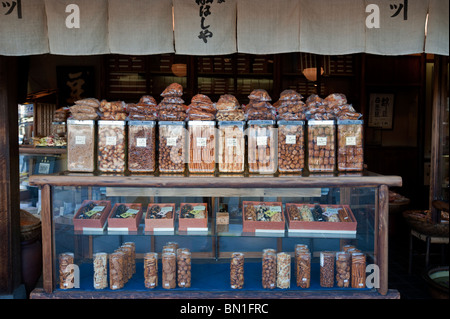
(231,147)
(237,270)
(151,270)
(321,146)
(111,146)
(202,146)
(262,147)
(350,156)
(172,146)
(141,146)
(291,148)
(81,146)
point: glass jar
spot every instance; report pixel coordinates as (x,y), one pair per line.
(100,270)
(358,270)
(169,270)
(269,270)
(202,146)
(231,142)
(117,268)
(80,146)
(291,149)
(303,268)
(184,268)
(237,271)
(141,146)
(262,147)
(321,146)
(111,146)
(343,264)
(283,270)
(66,271)
(172,146)
(327,269)
(350,156)
(151,270)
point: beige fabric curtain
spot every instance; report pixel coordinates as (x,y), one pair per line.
(401,29)
(66,39)
(140,27)
(23,29)
(267,27)
(332,27)
(203,28)
(438,28)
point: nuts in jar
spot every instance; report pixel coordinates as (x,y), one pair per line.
(151,270)
(321,146)
(327,269)
(350,155)
(141,146)
(111,146)
(237,271)
(343,264)
(172,147)
(291,153)
(262,147)
(184,268)
(269,269)
(283,270)
(80,146)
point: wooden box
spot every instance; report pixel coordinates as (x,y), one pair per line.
(347,227)
(125,224)
(92,224)
(161,224)
(196,224)
(250,226)
(222,218)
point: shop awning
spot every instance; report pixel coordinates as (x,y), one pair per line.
(218,27)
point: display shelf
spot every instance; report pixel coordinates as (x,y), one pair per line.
(217,243)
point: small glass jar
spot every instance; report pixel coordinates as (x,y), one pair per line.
(269,270)
(111,146)
(291,148)
(262,147)
(184,268)
(343,266)
(81,146)
(231,147)
(202,146)
(151,270)
(169,270)
(141,146)
(283,270)
(172,146)
(327,269)
(237,270)
(100,270)
(66,271)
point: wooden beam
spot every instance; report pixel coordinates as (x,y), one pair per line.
(9,178)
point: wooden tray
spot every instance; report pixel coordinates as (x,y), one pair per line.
(251,226)
(88,224)
(130,224)
(163,224)
(186,224)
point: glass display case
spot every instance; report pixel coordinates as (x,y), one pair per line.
(217,208)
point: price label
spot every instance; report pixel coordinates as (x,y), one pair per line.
(111,140)
(141,142)
(273,210)
(261,141)
(80,140)
(291,139)
(321,140)
(350,140)
(94,210)
(44,168)
(171,141)
(129,213)
(231,142)
(201,141)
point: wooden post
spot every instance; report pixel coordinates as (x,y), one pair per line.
(382,237)
(47,239)
(9,178)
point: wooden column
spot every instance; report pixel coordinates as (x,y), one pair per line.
(382,237)
(9,178)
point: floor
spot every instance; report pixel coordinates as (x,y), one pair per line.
(411,286)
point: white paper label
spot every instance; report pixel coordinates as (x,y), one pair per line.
(44,168)
(199,208)
(166,209)
(80,140)
(141,142)
(111,140)
(321,140)
(350,140)
(201,141)
(261,140)
(291,139)
(231,142)
(171,141)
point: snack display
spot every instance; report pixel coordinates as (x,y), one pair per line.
(283,270)
(343,266)
(234,115)
(117,277)
(321,146)
(193,216)
(259,107)
(350,149)
(100,270)
(327,268)
(358,270)
(61,114)
(237,270)
(262,216)
(262,147)
(174,89)
(231,147)
(144,110)
(303,267)
(66,270)
(290,106)
(169,270)
(172,107)
(227,102)
(92,215)
(151,270)
(183,268)
(202,146)
(80,146)
(291,150)
(85,109)
(114,111)
(269,269)
(125,216)
(172,147)
(111,146)
(141,146)
(160,211)
(201,109)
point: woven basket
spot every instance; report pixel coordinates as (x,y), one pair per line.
(30,226)
(420,220)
